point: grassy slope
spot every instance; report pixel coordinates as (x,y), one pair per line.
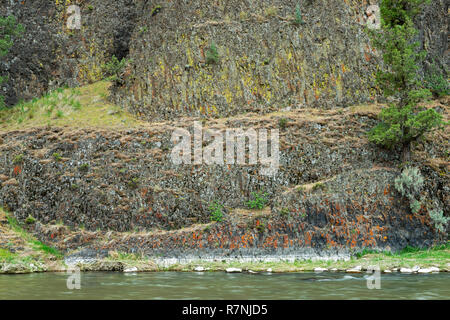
(80,107)
(17,247)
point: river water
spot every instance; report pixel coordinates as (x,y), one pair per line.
(221,285)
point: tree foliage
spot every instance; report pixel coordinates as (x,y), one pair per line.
(403,121)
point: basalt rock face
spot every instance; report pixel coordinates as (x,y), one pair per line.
(119,190)
(265,60)
(50,54)
(333,191)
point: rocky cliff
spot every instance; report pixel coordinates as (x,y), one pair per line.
(117,188)
(266,61)
(120,190)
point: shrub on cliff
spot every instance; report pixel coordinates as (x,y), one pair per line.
(212,55)
(216,211)
(113,69)
(439,220)
(409,184)
(437,83)
(9,29)
(258,201)
(402,122)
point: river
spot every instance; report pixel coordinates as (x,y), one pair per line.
(221,285)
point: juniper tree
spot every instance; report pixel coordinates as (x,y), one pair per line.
(403,121)
(9,28)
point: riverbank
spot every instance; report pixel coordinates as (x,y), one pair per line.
(408,261)
(21,252)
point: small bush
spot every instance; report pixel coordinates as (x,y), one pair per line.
(409,184)
(319,186)
(439,220)
(298,16)
(271,11)
(259,200)
(76,105)
(57,156)
(84,167)
(437,83)
(216,211)
(282,123)
(134,183)
(18,159)
(30,220)
(156,10)
(261,227)
(212,55)
(113,69)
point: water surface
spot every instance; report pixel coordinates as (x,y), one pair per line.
(220,285)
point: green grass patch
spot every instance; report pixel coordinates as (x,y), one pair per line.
(6,255)
(32,241)
(82,107)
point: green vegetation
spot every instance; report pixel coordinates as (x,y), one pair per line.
(57,156)
(212,54)
(6,255)
(87,106)
(133,183)
(271,11)
(319,186)
(36,245)
(438,218)
(156,10)
(409,184)
(9,29)
(402,122)
(18,159)
(282,123)
(216,211)
(113,69)
(84,167)
(143,30)
(437,83)
(261,227)
(284,211)
(298,15)
(30,220)
(259,200)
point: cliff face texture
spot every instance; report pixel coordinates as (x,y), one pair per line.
(107,189)
(265,60)
(119,190)
(50,54)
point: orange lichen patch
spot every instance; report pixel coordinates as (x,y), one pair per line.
(17,170)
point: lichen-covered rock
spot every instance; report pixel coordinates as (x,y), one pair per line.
(265,60)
